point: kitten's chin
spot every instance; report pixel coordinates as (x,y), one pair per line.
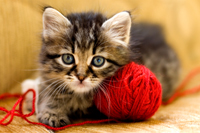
(83,87)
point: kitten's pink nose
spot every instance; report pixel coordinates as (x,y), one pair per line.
(81,77)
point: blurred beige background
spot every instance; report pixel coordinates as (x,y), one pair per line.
(20,29)
(21,25)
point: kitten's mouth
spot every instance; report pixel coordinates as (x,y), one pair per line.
(81,85)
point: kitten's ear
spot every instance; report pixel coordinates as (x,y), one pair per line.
(54,23)
(118,27)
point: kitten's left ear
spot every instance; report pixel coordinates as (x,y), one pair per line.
(118,27)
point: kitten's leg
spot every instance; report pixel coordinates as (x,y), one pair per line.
(26,85)
(52,112)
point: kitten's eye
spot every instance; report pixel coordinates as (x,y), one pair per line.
(68,59)
(98,61)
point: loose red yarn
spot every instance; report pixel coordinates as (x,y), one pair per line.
(180,92)
(18,112)
(134,93)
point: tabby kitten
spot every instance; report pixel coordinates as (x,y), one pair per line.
(81,50)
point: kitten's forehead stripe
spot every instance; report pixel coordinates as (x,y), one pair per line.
(86,28)
(73,49)
(94,50)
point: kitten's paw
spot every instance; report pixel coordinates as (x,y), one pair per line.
(26,85)
(53,119)
(30,84)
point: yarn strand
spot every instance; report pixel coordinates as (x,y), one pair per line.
(14,112)
(179,91)
(19,103)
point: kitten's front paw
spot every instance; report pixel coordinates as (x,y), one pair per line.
(26,85)
(53,119)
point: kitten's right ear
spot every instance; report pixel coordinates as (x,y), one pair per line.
(118,27)
(54,23)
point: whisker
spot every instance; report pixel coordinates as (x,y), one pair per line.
(57,90)
(53,90)
(119,97)
(107,84)
(48,80)
(32,69)
(63,88)
(54,94)
(117,79)
(102,88)
(45,90)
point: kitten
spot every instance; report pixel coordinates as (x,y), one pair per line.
(80,50)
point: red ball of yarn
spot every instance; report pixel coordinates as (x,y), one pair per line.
(134,93)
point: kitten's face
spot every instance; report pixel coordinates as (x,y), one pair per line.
(81,50)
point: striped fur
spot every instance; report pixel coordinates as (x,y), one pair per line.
(85,36)
(66,90)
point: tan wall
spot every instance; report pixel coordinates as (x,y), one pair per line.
(20,26)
